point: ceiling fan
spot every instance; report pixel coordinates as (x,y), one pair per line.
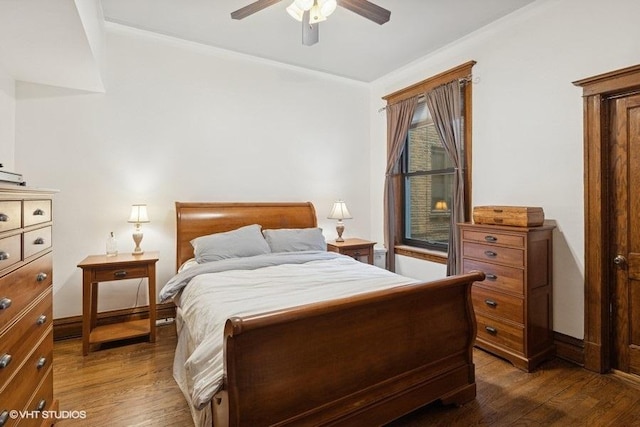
(312,12)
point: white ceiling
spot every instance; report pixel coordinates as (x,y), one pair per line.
(350,46)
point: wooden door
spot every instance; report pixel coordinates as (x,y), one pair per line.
(624,190)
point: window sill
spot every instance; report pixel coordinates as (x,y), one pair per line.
(420,253)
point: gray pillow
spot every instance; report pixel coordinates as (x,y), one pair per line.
(295,239)
(241,242)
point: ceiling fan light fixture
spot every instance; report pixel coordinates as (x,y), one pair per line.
(295,12)
(316,15)
(327,7)
(304,4)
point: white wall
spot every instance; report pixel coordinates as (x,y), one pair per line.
(7,120)
(527,119)
(183,122)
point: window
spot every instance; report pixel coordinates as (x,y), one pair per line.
(420,208)
(427,178)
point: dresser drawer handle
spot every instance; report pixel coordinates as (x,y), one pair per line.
(491,303)
(38,212)
(120,274)
(491,330)
(490,277)
(4,217)
(490,254)
(41,277)
(491,239)
(5,303)
(42,319)
(41,362)
(39,241)
(41,405)
(4,417)
(4,255)
(5,359)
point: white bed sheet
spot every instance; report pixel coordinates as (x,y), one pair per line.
(210,299)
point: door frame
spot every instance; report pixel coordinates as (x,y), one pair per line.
(598,322)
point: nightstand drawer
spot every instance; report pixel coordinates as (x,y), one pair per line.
(500,333)
(356,253)
(492,237)
(497,304)
(508,256)
(10,215)
(36,212)
(131,272)
(37,241)
(499,277)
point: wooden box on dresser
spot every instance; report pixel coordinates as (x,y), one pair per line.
(26,331)
(513,305)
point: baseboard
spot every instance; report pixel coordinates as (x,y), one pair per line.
(71,327)
(569,348)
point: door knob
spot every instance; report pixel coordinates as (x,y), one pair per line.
(619,260)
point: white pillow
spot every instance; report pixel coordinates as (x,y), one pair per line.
(241,242)
(295,239)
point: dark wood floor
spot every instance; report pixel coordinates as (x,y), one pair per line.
(132,385)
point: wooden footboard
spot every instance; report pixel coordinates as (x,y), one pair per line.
(363,360)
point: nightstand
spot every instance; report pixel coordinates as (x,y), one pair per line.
(101,268)
(355,248)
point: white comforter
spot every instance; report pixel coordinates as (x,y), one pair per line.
(278,281)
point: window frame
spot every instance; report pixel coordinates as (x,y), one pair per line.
(462,71)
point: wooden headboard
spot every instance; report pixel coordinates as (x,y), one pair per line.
(199,219)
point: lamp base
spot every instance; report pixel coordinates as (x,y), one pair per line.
(137,238)
(340,230)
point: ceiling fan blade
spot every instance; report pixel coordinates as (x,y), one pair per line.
(310,32)
(252,8)
(367,10)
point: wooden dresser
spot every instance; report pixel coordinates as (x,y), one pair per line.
(26,331)
(513,304)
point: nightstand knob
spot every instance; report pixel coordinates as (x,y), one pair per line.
(491,303)
(4,417)
(41,277)
(3,255)
(38,212)
(490,254)
(491,330)
(120,274)
(5,303)
(491,277)
(490,239)
(42,319)
(39,241)
(3,217)
(41,405)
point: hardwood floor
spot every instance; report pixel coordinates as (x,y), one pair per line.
(132,385)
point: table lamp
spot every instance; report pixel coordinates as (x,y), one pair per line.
(137,217)
(340,212)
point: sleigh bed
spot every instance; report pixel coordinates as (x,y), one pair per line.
(363,359)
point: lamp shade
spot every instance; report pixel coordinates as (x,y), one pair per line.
(295,12)
(339,211)
(138,214)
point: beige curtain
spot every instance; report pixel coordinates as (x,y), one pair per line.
(445,105)
(399,117)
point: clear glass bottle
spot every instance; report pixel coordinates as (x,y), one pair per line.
(112,245)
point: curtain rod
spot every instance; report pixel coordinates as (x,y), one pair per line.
(468,79)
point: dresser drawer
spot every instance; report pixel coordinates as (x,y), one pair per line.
(42,400)
(498,277)
(508,256)
(497,304)
(490,236)
(500,333)
(112,273)
(36,212)
(20,287)
(36,241)
(10,251)
(10,215)
(36,369)
(20,339)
